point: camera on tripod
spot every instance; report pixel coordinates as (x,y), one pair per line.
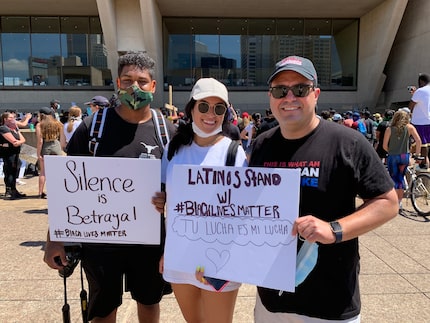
(73,255)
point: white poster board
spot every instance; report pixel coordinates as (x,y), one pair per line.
(235,222)
(103,199)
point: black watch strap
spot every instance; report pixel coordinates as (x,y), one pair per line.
(337,231)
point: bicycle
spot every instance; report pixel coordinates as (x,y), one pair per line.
(418,189)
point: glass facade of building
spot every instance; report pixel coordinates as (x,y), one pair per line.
(242,52)
(69,52)
(53,52)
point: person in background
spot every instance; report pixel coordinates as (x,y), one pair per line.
(129,131)
(55,106)
(249,133)
(396,143)
(268,122)
(336,164)
(243,121)
(419,105)
(96,103)
(337,118)
(233,115)
(368,122)
(74,120)
(380,134)
(23,122)
(11,140)
(200,142)
(348,119)
(229,129)
(377,119)
(50,140)
(325,114)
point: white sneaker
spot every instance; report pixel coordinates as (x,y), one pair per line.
(19,182)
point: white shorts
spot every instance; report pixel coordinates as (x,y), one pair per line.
(262,315)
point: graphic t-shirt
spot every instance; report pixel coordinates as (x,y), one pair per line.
(337,164)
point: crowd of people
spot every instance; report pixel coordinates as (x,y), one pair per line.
(350,162)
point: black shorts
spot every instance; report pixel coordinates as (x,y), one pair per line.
(105,267)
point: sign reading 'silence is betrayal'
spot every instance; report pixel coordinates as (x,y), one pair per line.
(103,199)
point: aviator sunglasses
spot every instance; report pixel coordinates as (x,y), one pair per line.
(299,90)
(219,108)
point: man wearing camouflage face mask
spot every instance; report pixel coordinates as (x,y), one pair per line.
(128,131)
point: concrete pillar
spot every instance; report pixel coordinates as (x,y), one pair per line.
(133,25)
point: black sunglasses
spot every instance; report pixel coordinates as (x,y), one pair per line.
(299,90)
(219,108)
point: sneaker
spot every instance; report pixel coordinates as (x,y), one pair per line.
(19,182)
(43,196)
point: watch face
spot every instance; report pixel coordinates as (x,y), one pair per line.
(337,230)
(335,226)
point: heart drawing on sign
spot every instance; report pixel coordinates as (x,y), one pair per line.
(219,259)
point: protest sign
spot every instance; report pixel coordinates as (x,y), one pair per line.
(235,222)
(103,199)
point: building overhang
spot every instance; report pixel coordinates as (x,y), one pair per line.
(205,8)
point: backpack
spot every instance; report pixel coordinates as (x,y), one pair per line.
(362,127)
(96,130)
(231,153)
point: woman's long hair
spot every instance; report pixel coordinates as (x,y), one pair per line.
(184,134)
(50,128)
(75,113)
(400,121)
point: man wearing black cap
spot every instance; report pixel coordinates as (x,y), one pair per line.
(96,103)
(336,164)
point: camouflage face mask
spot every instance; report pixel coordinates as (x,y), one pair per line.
(134,98)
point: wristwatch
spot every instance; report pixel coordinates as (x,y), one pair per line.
(337,231)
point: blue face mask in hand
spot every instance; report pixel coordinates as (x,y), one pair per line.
(306,261)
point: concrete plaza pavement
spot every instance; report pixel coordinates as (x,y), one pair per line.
(394,281)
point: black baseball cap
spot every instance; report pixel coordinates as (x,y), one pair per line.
(297,64)
(98,100)
(46,110)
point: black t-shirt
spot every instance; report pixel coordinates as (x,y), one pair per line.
(120,138)
(6,148)
(337,164)
(381,129)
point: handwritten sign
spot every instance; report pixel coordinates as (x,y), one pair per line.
(235,222)
(103,200)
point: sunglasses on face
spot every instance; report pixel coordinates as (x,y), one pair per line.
(299,90)
(219,108)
